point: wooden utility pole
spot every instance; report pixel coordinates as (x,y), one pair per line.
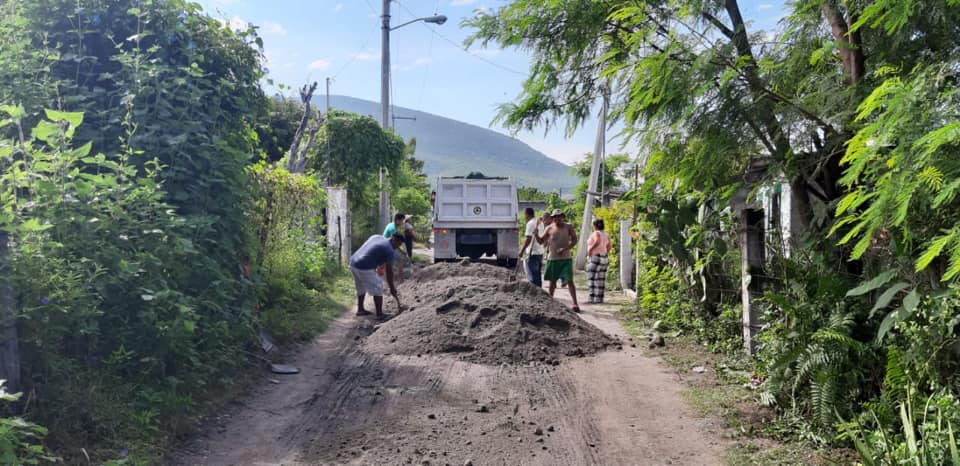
(598,150)
(328,94)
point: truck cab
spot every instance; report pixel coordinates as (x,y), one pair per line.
(475,217)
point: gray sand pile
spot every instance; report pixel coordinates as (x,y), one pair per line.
(476,312)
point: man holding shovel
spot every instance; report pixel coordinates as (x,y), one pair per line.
(377,251)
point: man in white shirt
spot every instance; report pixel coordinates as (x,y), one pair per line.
(535,229)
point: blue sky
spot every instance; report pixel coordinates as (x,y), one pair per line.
(310,40)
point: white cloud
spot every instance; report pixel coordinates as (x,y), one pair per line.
(270,27)
(462,2)
(337,8)
(364,56)
(764,6)
(320,64)
(422,61)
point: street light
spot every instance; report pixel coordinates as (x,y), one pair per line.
(435,19)
(386,121)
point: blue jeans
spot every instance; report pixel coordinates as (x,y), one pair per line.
(534,267)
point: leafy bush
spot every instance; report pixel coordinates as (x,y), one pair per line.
(94,243)
(293,264)
(126,247)
(818,360)
(927,434)
(20,439)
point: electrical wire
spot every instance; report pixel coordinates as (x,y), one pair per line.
(353,57)
(426,72)
(459,47)
(372,9)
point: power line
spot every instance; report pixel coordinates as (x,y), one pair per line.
(426,71)
(353,57)
(462,49)
(372,9)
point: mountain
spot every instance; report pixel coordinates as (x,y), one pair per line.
(454,148)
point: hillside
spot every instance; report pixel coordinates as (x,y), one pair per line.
(451,147)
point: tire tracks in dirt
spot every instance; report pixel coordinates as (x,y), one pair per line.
(352,407)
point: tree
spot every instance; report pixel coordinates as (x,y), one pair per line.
(530,193)
(855,103)
(276,129)
(350,150)
(297,155)
(610,173)
(410,192)
(687,83)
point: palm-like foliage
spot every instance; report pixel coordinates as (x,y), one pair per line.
(817,365)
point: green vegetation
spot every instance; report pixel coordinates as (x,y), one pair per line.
(350,151)
(410,192)
(148,232)
(854,107)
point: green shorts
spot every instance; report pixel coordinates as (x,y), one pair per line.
(559,269)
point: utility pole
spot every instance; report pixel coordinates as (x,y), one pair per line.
(598,150)
(385,119)
(384,204)
(328,93)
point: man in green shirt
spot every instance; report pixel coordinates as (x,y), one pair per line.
(394,228)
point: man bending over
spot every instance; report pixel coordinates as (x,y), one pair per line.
(377,251)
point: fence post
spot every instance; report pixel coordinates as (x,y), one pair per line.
(9,339)
(626,256)
(338,208)
(751,239)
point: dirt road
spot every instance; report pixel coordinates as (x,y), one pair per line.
(351,407)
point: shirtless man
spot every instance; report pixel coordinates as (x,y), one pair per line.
(560,237)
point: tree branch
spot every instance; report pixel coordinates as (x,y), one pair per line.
(851,48)
(306,94)
(719,25)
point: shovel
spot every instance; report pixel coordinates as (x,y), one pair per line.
(517,271)
(400,308)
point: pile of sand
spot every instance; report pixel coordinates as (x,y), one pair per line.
(477,312)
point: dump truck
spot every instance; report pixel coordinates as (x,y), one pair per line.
(476,216)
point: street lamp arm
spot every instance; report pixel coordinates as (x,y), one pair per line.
(436,19)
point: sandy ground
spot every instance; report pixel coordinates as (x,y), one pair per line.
(351,407)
